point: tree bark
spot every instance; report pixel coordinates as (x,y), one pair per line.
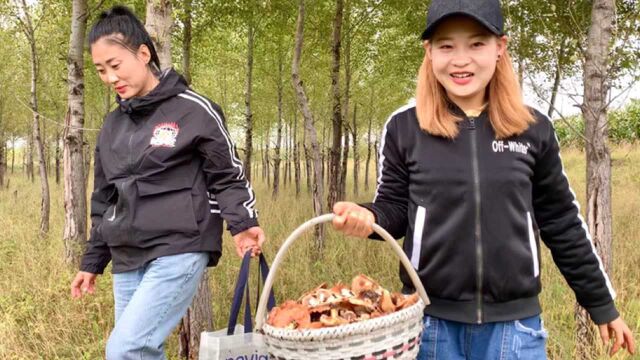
(343,166)
(307,159)
(75,198)
(267,156)
(366,165)
(199,318)
(3,161)
(247,102)
(58,156)
(521,71)
(29,159)
(159,23)
(13,154)
(311,136)
(44,181)
(296,154)
(276,159)
(186,41)
(556,81)
(334,155)
(375,152)
(356,154)
(3,146)
(347,98)
(287,157)
(594,111)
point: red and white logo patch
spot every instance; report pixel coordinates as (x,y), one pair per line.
(165,135)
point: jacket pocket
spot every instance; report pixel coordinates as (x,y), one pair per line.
(164,209)
(533,244)
(114,228)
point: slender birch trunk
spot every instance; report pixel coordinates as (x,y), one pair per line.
(312,137)
(594,111)
(159,24)
(75,192)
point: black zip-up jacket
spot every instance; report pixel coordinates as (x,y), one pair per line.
(472,211)
(166,175)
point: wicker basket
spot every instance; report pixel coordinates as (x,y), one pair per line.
(393,336)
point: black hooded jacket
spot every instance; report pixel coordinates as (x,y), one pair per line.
(473,210)
(166,175)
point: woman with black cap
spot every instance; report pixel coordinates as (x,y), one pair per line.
(473,180)
(166,175)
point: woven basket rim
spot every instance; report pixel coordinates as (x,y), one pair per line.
(337,332)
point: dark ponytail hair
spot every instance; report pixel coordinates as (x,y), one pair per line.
(119,20)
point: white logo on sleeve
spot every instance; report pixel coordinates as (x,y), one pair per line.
(500,146)
(165,134)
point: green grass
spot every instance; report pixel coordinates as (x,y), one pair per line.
(38,319)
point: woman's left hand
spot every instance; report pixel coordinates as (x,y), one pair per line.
(250,239)
(620,333)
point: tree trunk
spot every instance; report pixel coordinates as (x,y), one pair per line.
(334,157)
(29,163)
(13,154)
(556,81)
(247,102)
(347,98)
(594,111)
(262,151)
(267,157)
(366,165)
(312,137)
(345,163)
(521,71)
(324,151)
(3,162)
(186,41)
(199,318)
(276,159)
(44,181)
(375,152)
(356,155)
(58,156)
(159,23)
(307,159)
(3,146)
(75,198)
(296,154)
(287,158)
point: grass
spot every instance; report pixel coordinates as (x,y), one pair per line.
(38,319)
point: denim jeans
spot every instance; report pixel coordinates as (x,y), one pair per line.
(509,340)
(149,303)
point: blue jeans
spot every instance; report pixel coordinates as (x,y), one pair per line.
(509,340)
(149,303)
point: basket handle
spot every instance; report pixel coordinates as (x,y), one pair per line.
(260,316)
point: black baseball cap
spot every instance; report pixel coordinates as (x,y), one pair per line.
(486,12)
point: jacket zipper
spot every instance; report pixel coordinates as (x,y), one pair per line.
(130,175)
(476,188)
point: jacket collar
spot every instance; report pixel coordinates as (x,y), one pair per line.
(171,84)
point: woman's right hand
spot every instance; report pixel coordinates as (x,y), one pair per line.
(352,219)
(84,282)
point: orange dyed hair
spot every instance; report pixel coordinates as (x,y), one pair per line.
(507,112)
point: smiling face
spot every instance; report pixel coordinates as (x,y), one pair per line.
(127,72)
(464,55)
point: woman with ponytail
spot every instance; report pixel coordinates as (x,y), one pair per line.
(473,180)
(166,174)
